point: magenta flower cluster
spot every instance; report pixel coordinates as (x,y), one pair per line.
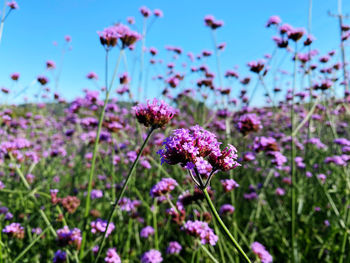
(259,250)
(109,36)
(189,147)
(99,226)
(152,256)
(165,186)
(202,231)
(154,114)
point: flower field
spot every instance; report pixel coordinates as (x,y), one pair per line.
(201,172)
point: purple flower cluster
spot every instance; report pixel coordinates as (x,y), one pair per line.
(164,187)
(174,248)
(229,184)
(125,204)
(211,22)
(226,209)
(189,147)
(60,256)
(152,256)
(14,230)
(154,114)
(112,256)
(147,231)
(100,226)
(69,237)
(248,123)
(202,231)
(259,250)
(109,36)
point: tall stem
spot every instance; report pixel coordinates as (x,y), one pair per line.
(95,150)
(342,48)
(117,200)
(292,163)
(3,19)
(224,229)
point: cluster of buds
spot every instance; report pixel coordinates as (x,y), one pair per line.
(109,36)
(211,22)
(69,237)
(14,230)
(248,123)
(154,114)
(198,150)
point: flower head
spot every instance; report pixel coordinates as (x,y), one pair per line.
(152,256)
(202,231)
(259,250)
(155,114)
(112,256)
(174,248)
(165,186)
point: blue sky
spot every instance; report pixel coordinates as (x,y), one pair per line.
(30,31)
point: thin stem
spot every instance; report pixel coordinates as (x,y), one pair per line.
(224,229)
(4,15)
(116,202)
(95,150)
(292,163)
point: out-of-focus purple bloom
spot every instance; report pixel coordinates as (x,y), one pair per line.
(100,226)
(14,230)
(248,123)
(112,256)
(60,256)
(152,256)
(226,209)
(229,184)
(273,20)
(259,250)
(164,187)
(12,5)
(174,248)
(147,231)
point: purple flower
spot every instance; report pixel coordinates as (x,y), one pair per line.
(152,256)
(342,141)
(155,114)
(273,20)
(202,231)
(147,231)
(226,209)
(248,123)
(210,21)
(145,11)
(280,191)
(128,205)
(165,186)
(259,250)
(158,13)
(14,230)
(69,237)
(174,248)
(100,226)
(229,184)
(189,147)
(95,194)
(112,256)
(12,5)
(60,257)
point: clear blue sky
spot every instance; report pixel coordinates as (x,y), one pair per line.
(30,31)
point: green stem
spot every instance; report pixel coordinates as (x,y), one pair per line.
(95,150)
(116,202)
(29,246)
(223,227)
(292,163)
